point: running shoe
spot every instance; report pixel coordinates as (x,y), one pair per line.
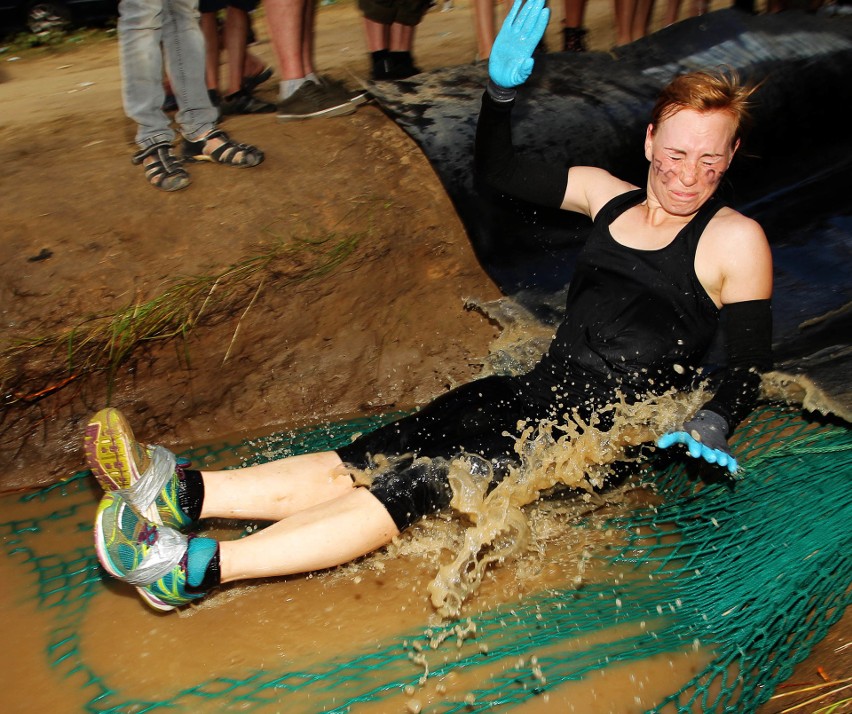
(141,553)
(147,477)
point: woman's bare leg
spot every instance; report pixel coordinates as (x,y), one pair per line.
(276,489)
(328,534)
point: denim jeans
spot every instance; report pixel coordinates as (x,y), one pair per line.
(148,30)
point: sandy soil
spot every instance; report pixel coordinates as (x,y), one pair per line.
(309,340)
(86,237)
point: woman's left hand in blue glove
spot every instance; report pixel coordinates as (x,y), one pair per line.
(705,437)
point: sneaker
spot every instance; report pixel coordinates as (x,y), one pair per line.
(147,477)
(249,84)
(141,553)
(243,102)
(313,100)
(357,97)
(574,39)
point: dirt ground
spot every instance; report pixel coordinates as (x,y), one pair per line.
(362,311)
(86,237)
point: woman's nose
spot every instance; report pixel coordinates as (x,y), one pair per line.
(688,174)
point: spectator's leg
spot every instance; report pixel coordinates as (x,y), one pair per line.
(623,21)
(236,36)
(210,31)
(485,25)
(286,20)
(140,32)
(183,46)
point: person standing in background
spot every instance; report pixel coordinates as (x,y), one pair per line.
(148,32)
(232,34)
(389,26)
(302,93)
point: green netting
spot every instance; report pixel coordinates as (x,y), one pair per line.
(754,570)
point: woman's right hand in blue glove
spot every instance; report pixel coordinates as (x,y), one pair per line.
(511,63)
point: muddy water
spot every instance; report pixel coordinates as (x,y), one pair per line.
(365,637)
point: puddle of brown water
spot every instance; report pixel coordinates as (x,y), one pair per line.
(66,655)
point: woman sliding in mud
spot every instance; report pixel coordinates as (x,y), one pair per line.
(660,268)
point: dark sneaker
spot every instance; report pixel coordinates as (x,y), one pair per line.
(574,39)
(249,84)
(313,100)
(242,102)
(356,96)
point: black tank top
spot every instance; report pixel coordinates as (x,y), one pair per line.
(637,321)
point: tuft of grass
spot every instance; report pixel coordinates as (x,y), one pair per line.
(102,343)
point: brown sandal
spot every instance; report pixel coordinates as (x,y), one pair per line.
(166,171)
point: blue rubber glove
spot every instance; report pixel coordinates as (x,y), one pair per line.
(705,437)
(510,62)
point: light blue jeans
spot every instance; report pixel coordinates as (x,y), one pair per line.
(148,30)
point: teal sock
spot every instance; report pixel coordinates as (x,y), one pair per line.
(202,563)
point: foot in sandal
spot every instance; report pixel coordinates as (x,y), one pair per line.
(219,148)
(162,168)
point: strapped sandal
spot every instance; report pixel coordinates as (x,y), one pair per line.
(166,171)
(230,153)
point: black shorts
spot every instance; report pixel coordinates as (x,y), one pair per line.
(471,419)
(477,418)
(388,12)
(216,5)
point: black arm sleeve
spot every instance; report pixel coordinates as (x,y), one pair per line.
(748,340)
(496,162)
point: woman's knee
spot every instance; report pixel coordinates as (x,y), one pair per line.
(415,491)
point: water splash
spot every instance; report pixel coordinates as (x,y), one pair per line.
(575,454)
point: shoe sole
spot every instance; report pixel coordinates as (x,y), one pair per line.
(341,110)
(360,99)
(106,560)
(115,457)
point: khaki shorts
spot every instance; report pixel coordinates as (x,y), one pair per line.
(388,12)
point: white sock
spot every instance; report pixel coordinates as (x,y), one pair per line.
(287,87)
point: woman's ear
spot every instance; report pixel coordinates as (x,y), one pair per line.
(649,141)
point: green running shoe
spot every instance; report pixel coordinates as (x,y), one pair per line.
(147,477)
(141,553)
